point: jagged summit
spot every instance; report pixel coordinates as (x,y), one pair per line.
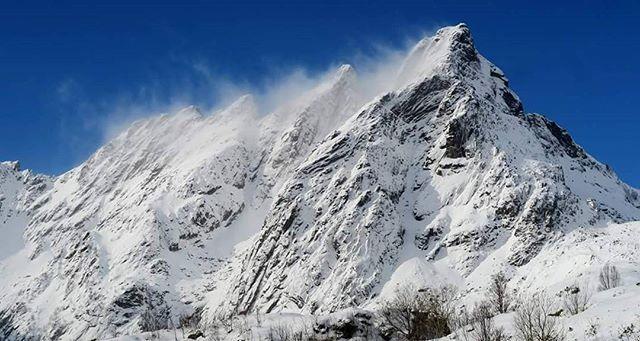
(451,36)
(346,72)
(13,165)
(450,50)
(190,110)
(331,201)
(245,106)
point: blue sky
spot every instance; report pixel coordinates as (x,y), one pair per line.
(69,69)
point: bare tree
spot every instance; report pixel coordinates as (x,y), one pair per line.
(477,325)
(533,321)
(419,314)
(153,319)
(398,313)
(462,324)
(219,324)
(498,294)
(577,301)
(609,277)
(283,332)
(483,327)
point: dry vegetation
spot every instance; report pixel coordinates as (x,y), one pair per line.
(535,320)
(419,314)
(425,314)
(609,277)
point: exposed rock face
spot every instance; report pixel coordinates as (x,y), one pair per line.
(445,168)
(321,205)
(19,190)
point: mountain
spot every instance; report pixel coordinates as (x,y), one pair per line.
(445,173)
(331,201)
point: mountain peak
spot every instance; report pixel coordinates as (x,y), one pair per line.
(450,48)
(345,74)
(459,32)
(190,110)
(345,71)
(244,106)
(12,165)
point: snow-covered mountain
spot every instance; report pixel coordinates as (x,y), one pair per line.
(18,191)
(330,202)
(447,171)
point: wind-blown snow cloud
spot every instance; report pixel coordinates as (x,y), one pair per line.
(376,73)
(197,83)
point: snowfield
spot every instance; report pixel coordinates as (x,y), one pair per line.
(310,218)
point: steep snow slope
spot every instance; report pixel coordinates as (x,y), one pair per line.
(290,134)
(447,171)
(105,234)
(324,204)
(574,261)
(122,243)
(18,190)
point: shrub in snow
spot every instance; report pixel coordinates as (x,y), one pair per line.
(534,321)
(419,314)
(190,321)
(576,300)
(220,324)
(630,332)
(609,277)
(284,332)
(498,296)
(477,325)
(592,331)
(483,327)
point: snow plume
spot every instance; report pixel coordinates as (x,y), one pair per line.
(197,82)
(376,67)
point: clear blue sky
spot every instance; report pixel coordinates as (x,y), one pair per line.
(63,64)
